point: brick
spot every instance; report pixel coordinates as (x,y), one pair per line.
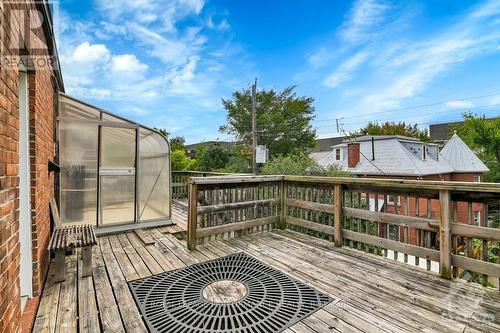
(41,137)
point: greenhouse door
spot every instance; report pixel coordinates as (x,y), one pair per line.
(117,175)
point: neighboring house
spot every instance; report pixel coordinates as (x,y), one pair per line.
(400,156)
(327,143)
(394,156)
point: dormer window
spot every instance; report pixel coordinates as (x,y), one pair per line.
(338,154)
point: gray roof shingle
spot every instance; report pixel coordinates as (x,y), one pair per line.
(461,157)
(394,156)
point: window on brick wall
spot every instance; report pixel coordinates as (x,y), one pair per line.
(477,179)
(392,198)
(477,217)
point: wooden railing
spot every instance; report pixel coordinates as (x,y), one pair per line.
(222,207)
(180,181)
(450,225)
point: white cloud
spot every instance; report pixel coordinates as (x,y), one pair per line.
(409,68)
(169,50)
(128,63)
(88,54)
(166,13)
(345,70)
(362,19)
(459,104)
(319,57)
(181,79)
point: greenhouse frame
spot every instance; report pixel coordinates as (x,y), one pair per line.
(114,173)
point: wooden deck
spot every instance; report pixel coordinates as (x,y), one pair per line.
(371,293)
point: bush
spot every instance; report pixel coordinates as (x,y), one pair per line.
(212,158)
(299,165)
(180,161)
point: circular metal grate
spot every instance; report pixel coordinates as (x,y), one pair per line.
(174,301)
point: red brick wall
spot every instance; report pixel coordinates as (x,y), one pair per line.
(42,124)
(352,154)
(10,306)
(461,207)
(41,104)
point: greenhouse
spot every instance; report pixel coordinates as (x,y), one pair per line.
(114,172)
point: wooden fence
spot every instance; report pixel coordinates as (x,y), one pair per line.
(180,181)
(455,224)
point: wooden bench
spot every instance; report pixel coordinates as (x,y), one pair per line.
(68,238)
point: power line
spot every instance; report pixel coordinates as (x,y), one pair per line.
(431,113)
(419,106)
(358,147)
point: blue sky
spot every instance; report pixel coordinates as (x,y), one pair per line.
(168,63)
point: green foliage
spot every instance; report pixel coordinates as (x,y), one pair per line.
(393,128)
(483,136)
(212,158)
(178,143)
(298,164)
(240,159)
(283,120)
(180,161)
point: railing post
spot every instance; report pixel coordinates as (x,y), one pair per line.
(192,215)
(283,210)
(337,215)
(444,235)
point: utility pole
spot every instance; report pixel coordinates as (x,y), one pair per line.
(254,125)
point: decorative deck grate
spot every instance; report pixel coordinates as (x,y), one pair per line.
(236,293)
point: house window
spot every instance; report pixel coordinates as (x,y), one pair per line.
(337,154)
(477,179)
(392,198)
(477,217)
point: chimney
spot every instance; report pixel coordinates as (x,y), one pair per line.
(373,149)
(352,154)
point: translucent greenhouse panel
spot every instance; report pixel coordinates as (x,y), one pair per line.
(117,199)
(109,118)
(118,147)
(70,108)
(78,159)
(154,176)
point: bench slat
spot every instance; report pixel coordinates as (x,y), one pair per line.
(71,237)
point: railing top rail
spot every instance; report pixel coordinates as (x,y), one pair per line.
(232,179)
(210,173)
(396,184)
(400,183)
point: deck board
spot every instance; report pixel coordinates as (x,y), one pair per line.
(371,293)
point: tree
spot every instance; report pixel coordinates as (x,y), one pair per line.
(283,120)
(483,136)
(393,128)
(178,143)
(212,158)
(180,161)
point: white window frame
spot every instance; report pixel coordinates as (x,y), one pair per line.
(477,217)
(339,152)
(390,199)
(477,179)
